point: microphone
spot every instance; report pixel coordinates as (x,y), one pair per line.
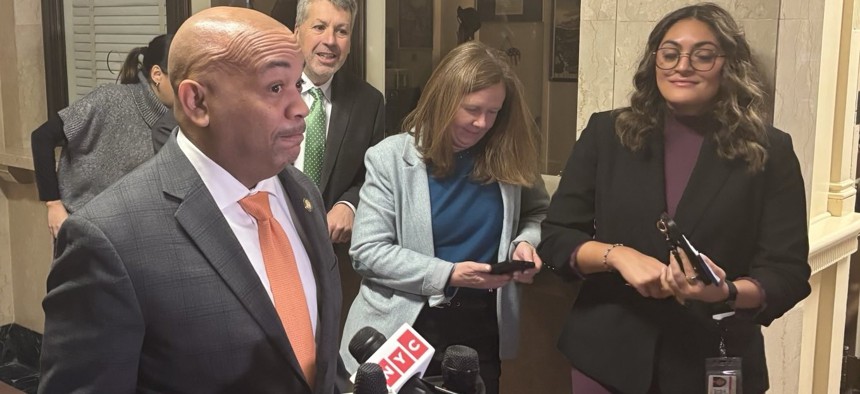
(369,379)
(364,343)
(460,371)
(401,357)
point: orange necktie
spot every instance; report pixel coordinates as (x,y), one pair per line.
(285,282)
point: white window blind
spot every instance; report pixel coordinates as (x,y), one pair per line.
(99,35)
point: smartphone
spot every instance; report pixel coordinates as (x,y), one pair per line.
(675,238)
(507,267)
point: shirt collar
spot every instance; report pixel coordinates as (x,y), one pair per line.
(223,186)
(307,85)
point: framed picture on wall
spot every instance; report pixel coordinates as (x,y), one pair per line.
(416,24)
(564,63)
(510,10)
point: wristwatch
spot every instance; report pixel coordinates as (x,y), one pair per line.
(733,294)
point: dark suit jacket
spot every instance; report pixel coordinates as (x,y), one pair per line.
(752,225)
(151,292)
(357,122)
(161,130)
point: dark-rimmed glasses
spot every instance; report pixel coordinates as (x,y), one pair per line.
(700,59)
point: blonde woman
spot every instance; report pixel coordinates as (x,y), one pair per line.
(459,191)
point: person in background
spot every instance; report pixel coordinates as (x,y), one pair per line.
(693,144)
(103,135)
(458,190)
(209,268)
(346,117)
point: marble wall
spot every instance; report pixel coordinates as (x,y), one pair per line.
(25,244)
(797,69)
(7,31)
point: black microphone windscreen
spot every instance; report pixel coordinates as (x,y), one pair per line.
(364,343)
(460,369)
(369,379)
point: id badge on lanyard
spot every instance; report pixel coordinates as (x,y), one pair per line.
(723,375)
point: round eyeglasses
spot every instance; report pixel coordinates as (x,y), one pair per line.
(700,59)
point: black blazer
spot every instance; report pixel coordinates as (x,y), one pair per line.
(357,122)
(752,225)
(151,292)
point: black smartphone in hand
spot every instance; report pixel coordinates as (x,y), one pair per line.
(507,267)
(675,238)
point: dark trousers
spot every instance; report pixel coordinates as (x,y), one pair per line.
(470,320)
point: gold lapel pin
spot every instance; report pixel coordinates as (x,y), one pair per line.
(308,206)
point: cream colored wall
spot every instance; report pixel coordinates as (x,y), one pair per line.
(7,34)
(795,100)
(197,5)
(25,246)
(800,35)
(375,51)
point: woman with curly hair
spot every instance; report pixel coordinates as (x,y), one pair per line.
(694,145)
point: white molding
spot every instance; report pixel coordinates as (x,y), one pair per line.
(832,239)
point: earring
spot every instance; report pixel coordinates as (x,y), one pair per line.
(156,84)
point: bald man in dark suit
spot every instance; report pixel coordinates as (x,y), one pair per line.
(165,282)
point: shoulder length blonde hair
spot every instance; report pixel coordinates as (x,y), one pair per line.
(509,151)
(739,105)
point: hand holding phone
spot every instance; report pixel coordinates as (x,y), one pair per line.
(507,267)
(676,239)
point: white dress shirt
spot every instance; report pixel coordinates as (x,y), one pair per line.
(226,190)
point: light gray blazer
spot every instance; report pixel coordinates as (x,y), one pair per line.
(392,245)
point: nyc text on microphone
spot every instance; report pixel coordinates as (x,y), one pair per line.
(401,357)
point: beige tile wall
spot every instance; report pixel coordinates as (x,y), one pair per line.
(7,32)
(796,71)
(25,245)
(797,82)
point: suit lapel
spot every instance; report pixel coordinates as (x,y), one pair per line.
(301,210)
(654,181)
(642,181)
(199,216)
(415,179)
(341,106)
(708,177)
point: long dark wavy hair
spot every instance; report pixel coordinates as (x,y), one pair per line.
(739,105)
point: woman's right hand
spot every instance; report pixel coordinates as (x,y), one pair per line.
(477,276)
(57,214)
(644,273)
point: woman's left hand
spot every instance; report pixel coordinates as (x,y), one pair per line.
(526,252)
(686,286)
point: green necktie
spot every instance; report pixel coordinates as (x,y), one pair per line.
(315,134)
